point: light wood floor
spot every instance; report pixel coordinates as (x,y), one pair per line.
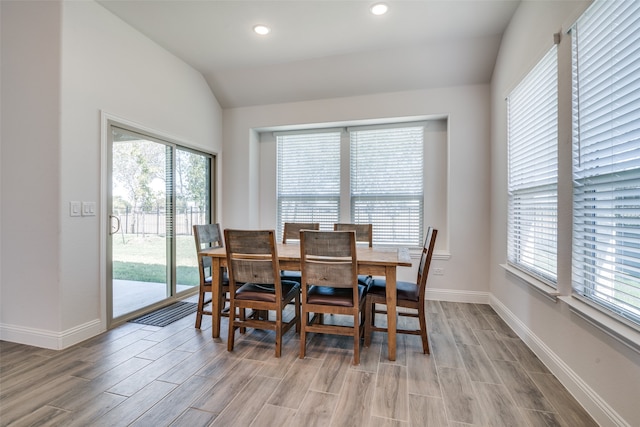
(478,373)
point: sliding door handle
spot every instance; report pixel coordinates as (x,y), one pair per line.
(114,227)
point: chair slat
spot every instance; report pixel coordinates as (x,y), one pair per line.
(258,271)
(250,242)
(328,244)
(292,229)
(332,274)
(364,232)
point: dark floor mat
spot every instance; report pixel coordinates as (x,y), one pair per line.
(167,315)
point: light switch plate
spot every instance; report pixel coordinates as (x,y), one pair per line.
(75,209)
(88,208)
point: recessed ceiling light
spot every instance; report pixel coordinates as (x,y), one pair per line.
(379,9)
(263,30)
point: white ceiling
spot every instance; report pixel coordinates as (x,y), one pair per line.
(324,48)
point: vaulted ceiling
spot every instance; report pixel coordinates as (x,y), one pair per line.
(324,48)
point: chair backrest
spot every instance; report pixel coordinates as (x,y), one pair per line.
(292,229)
(328,258)
(252,257)
(425,260)
(364,232)
(207,236)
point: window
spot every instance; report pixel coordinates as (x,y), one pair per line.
(533,171)
(606,157)
(387,183)
(308,174)
(383,184)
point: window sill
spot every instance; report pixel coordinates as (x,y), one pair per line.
(625,334)
(546,290)
(437,255)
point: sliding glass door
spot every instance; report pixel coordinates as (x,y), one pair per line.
(157,191)
(192,206)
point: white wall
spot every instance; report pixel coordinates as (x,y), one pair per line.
(465,229)
(30,168)
(98,64)
(601,372)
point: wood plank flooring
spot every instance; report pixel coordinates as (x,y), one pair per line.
(479,373)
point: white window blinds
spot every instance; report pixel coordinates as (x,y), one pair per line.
(606,154)
(308,174)
(533,171)
(387,183)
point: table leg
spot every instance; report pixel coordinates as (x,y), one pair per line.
(216,297)
(390,276)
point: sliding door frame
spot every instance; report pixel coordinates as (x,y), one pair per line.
(107,122)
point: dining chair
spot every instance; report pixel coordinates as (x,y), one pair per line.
(254,282)
(409,295)
(291,232)
(364,234)
(209,236)
(330,285)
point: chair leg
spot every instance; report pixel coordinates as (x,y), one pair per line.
(303,332)
(232,328)
(356,338)
(297,313)
(369,315)
(423,329)
(201,295)
(221,302)
(279,331)
(242,315)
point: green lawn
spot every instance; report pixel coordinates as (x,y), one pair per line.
(143,259)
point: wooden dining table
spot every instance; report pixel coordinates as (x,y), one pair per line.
(371,261)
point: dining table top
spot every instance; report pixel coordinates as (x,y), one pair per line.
(398,257)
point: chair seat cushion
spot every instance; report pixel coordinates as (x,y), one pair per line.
(405,290)
(365,280)
(294,276)
(326,295)
(225,279)
(266,293)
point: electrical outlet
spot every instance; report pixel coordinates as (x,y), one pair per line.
(438,271)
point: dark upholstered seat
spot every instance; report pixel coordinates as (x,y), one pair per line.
(267,293)
(333,296)
(407,291)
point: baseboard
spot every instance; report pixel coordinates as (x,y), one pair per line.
(50,339)
(585,395)
(457,296)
